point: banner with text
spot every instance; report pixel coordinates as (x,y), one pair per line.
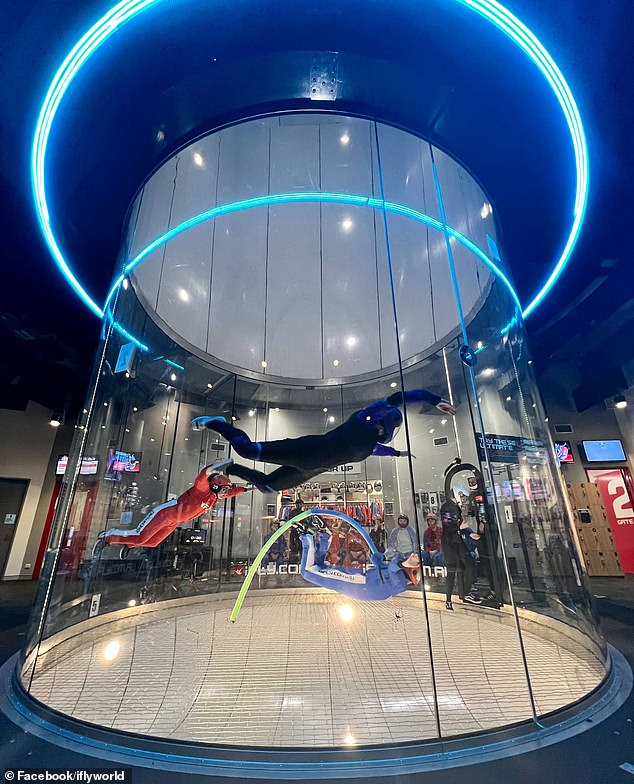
(618,506)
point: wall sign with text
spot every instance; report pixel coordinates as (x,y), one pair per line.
(618,506)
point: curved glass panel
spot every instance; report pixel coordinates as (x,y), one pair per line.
(290,278)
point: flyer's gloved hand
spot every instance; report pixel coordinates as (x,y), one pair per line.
(446,406)
(200,423)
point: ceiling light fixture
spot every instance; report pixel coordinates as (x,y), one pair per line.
(620,401)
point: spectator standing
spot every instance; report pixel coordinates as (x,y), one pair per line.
(457,557)
(378,534)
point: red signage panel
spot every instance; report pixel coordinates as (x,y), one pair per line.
(618,505)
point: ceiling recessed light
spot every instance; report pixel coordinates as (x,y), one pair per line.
(393,384)
(264,363)
(198,159)
(344,138)
(346,224)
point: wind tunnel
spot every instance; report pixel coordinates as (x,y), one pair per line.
(285,272)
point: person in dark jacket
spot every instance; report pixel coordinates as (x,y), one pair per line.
(378,534)
(458,559)
(364,433)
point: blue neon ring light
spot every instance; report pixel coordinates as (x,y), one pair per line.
(121,13)
(295,198)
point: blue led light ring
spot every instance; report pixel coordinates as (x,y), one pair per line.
(117,16)
(332,198)
(288,198)
(87,44)
(526,40)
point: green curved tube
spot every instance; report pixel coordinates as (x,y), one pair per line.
(280,532)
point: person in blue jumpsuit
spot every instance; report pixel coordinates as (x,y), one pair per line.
(366,432)
(379,581)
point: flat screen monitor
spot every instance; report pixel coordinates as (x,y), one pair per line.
(603,451)
(127,461)
(563,450)
(121,462)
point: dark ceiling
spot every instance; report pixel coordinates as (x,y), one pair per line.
(108,136)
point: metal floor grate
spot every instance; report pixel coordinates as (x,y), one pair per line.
(292,672)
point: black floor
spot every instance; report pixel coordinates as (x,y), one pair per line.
(594,757)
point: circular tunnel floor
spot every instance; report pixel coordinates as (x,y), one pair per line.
(292,672)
